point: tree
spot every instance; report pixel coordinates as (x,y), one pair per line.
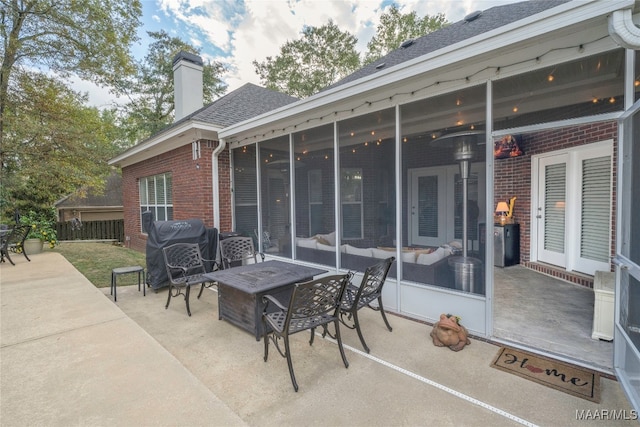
(55,144)
(150,89)
(322,56)
(88,38)
(395,27)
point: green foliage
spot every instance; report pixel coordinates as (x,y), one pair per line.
(50,144)
(395,27)
(150,90)
(53,146)
(42,225)
(322,56)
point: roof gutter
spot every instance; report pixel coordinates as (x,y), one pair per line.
(215,168)
(623,30)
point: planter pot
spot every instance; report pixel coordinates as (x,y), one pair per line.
(33,246)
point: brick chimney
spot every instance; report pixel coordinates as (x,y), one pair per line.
(187,84)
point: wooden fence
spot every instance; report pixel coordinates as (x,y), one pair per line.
(92,230)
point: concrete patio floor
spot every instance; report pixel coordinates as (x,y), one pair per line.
(69,355)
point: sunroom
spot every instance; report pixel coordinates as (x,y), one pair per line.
(402,162)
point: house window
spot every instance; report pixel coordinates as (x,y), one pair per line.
(156,196)
(245,191)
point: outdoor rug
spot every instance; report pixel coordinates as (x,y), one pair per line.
(577,381)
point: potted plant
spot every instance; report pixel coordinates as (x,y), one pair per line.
(42,230)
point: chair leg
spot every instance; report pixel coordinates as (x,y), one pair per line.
(9,258)
(289,363)
(339,339)
(357,325)
(186,299)
(168,297)
(201,289)
(384,317)
(25,255)
(266,340)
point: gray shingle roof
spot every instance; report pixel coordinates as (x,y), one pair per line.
(490,19)
(242,104)
(112,195)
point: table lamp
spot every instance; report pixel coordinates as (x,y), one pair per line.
(501,213)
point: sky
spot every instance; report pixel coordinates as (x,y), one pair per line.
(236,33)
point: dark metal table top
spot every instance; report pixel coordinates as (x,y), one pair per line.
(262,276)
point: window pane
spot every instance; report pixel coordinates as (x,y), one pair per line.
(168,189)
(315,194)
(275,188)
(367,188)
(554,224)
(596,208)
(245,190)
(434,133)
(158,188)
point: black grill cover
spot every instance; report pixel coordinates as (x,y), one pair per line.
(165,233)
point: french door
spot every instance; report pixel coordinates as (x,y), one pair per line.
(435,204)
(573,209)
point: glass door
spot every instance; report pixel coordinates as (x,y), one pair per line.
(627,259)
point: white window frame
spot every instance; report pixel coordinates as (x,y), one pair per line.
(143,188)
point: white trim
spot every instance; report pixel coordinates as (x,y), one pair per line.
(174,137)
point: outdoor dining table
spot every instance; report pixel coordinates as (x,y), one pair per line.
(240,290)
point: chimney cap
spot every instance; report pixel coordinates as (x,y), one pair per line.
(189,57)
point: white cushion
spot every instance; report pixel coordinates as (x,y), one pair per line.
(329,238)
(326,247)
(352,250)
(428,259)
(408,256)
(382,253)
(308,243)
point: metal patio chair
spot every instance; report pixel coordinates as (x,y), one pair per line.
(13,241)
(313,304)
(236,251)
(357,297)
(186,267)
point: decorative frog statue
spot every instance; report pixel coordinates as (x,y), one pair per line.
(448,332)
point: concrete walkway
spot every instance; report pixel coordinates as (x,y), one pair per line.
(71,356)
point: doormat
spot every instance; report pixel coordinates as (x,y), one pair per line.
(571,379)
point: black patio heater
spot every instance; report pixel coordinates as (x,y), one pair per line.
(467,270)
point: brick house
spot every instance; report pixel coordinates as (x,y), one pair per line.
(400,158)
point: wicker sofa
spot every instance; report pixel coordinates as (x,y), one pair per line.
(426,265)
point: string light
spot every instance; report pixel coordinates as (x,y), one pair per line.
(538,59)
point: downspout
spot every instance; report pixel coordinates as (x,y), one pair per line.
(623,30)
(222,144)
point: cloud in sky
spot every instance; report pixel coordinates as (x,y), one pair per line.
(236,32)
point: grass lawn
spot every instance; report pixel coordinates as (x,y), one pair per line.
(96,260)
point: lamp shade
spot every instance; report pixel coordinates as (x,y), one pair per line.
(502,207)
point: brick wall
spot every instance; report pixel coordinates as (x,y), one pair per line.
(513,175)
(192,189)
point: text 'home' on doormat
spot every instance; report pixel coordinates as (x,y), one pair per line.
(571,379)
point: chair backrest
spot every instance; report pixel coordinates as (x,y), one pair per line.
(17,235)
(315,302)
(236,251)
(183,259)
(373,280)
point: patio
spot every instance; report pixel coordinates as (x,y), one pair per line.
(71,356)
